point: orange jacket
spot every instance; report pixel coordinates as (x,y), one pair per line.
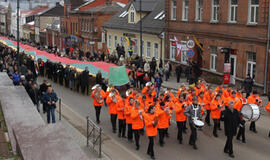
(252,99)
(151,131)
(163,118)
(228,99)
(95,102)
(179,112)
(207,100)
(120,109)
(215,111)
(267,107)
(127,112)
(112,105)
(197,91)
(239,104)
(137,122)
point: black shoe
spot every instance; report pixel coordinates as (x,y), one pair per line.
(195,147)
(255,131)
(98,122)
(114,131)
(238,138)
(137,148)
(269,134)
(119,135)
(215,135)
(153,157)
(231,155)
(124,137)
(244,141)
(226,151)
(167,135)
(161,144)
(180,142)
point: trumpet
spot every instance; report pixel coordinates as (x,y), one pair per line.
(98,96)
(155,122)
(113,97)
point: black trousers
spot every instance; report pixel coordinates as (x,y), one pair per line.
(161,133)
(180,126)
(83,89)
(241,132)
(193,135)
(252,126)
(122,127)
(178,77)
(137,136)
(150,149)
(130,132)
(66,82)
(113,121)
(207,118)
(229,145)
(216,125)
(98,109)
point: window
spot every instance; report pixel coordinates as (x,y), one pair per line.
(115,42)
(213,58)
(185,10)
(233,10)
(135,47)
(156,50)
(132,15)
(253,11)
(172,51)
(173,10)
(148,49)
(199,10)
(215,11)
(122,40)
(251,64)
(184,56)
(109,41)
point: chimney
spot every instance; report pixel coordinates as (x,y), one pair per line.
(108,2)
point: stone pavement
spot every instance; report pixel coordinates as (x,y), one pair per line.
(75,134)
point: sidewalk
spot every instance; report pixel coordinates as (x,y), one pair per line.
(75,134)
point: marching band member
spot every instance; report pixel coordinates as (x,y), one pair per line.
(127,112)
(151,122)
(137,122)
(254,99)
(179,109)
(198,89)
(98,96)
(267,107)
(112,102)
(192,112)
(216,113)
(207,100)
(149,92)
(201,102)
(121,118)
(231,119)
(164,114)
(238,106)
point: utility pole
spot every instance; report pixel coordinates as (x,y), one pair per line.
(18,28)
(141,28)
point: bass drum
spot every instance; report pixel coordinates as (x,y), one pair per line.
(250,112)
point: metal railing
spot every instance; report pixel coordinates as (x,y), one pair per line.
(94,135)
(60,109)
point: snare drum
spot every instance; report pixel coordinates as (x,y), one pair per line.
(250,112)
(198,123)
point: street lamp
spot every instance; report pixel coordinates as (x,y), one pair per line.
(141,28)
(18,32)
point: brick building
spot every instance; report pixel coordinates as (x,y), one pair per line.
(233,31)
(82,24)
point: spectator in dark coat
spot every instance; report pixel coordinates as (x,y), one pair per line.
(248,84)
(231,122)
(42,90)
(35,95)
(50,99)
(66,75)
(85,80)
(178,71)
(99,78)
(153,66)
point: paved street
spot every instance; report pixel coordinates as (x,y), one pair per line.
(210,148)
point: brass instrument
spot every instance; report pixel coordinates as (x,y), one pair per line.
(155,122)
(113,97)
(129,92)
(97,93)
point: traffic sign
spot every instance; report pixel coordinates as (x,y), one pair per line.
(190,44)
(190,53)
